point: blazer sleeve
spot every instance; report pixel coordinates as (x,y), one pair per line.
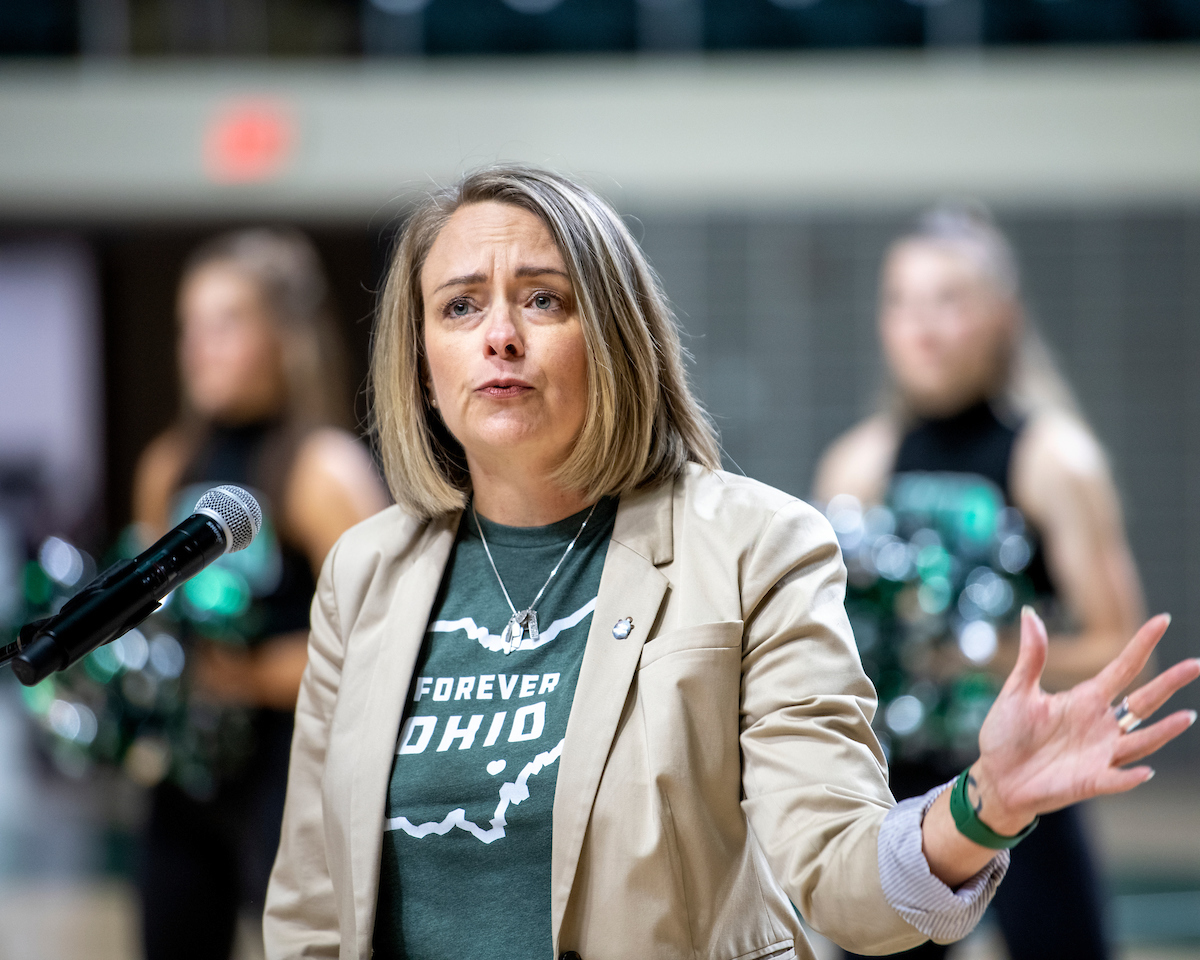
(300,919)
(814,777)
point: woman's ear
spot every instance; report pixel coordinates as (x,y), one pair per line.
(1016,321)
(426,381)
(1012,326)
(1007,341)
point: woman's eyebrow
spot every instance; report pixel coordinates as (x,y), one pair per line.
(540,271)
(463,281)
(470,278)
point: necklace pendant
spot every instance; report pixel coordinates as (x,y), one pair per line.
(514,634)
(510,639)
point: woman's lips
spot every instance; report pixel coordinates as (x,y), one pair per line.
(504,389)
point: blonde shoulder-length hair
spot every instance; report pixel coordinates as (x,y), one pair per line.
(642,422)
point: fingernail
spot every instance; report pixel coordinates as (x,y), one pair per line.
(1027,609)
(1168,616)
(1149,776)
(1191,717)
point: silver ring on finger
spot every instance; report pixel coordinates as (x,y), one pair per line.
(1127,720)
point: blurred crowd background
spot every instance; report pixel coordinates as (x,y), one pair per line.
(766,152)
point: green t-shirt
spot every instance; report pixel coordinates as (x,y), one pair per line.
(465,869)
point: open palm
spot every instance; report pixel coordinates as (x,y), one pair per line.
(1043,751)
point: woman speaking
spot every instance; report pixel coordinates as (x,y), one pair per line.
(582,694)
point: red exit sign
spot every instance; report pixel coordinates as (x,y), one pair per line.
(249,140)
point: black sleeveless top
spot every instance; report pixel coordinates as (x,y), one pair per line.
(975,441)
(244,599)
(272,579)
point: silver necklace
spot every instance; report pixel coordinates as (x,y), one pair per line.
(524,620)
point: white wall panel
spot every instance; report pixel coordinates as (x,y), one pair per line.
(738,132)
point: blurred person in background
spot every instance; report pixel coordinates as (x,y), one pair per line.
(262,406)
(975,394)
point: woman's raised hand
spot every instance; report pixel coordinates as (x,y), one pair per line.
(1040,751)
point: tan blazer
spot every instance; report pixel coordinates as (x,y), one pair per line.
(718,761)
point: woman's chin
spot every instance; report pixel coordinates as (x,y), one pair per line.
(515,441)
(942,400)
(232,409)
(213,408)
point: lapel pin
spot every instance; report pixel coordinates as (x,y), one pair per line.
(623,628)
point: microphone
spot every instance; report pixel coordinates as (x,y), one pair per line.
(226,519)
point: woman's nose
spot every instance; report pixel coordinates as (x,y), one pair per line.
(502,336)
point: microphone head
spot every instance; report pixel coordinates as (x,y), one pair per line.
(236,510)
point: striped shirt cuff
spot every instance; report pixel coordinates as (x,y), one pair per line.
(942,914)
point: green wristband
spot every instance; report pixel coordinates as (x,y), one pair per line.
(974,829)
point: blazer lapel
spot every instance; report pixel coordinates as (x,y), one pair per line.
(630,587)
(383,674)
